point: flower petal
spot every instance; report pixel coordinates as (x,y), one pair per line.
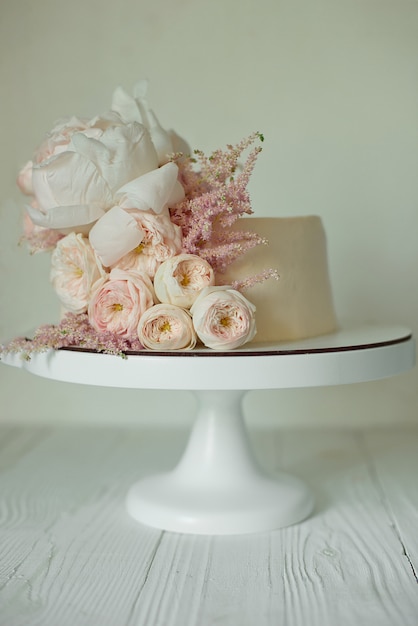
(123,153)
(69,179)
(154,190)
(137,109)
(114,235)
(24,179)
(63,217)
(126,106)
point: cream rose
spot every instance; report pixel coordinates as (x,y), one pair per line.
(75,270)
(74,182)
(179,280)
(223,318)
(119,301)
(166,327)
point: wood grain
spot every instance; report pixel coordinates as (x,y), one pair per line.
(70,556)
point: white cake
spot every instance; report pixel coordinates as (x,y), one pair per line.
(300,303)
(141,236)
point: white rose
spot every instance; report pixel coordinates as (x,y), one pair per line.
(166,327)
(223,318)
(179,280)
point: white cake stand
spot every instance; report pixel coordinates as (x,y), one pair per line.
(218,487)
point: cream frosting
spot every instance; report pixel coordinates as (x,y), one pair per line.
(300,303)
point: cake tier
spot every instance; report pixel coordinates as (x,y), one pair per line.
(300,303)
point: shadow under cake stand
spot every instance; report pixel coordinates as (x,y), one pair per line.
(218,487)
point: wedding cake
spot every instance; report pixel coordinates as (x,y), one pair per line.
(152,246)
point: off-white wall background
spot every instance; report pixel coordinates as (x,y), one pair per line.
(332,84)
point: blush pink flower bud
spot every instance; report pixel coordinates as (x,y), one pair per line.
(24,179)
(166,327)
(179,280)
(223,318)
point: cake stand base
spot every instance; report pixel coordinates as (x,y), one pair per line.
(218,488)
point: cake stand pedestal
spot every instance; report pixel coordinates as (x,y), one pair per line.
(218,487)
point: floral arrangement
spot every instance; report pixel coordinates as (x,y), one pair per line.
(140,233)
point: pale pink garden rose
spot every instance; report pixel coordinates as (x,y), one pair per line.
(76,184)
(161,240)
(119,301)
(75,271)
(140,203)
(223,318)
(180,279)
(166,327)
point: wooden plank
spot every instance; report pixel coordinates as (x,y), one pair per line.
(393,457)
(69,554)
(348,561)
(343,566)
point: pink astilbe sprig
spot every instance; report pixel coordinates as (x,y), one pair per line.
(74,331)
(39,239)
(216,196)
(250,281)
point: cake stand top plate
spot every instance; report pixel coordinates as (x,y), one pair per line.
(350,355)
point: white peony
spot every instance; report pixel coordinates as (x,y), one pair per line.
(136,109)
(76,183)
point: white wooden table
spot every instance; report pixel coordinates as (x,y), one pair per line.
(71,556)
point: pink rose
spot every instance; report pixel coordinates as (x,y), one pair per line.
(166,327)
(223,318)
(75,270)
(119,301)
(180,279)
